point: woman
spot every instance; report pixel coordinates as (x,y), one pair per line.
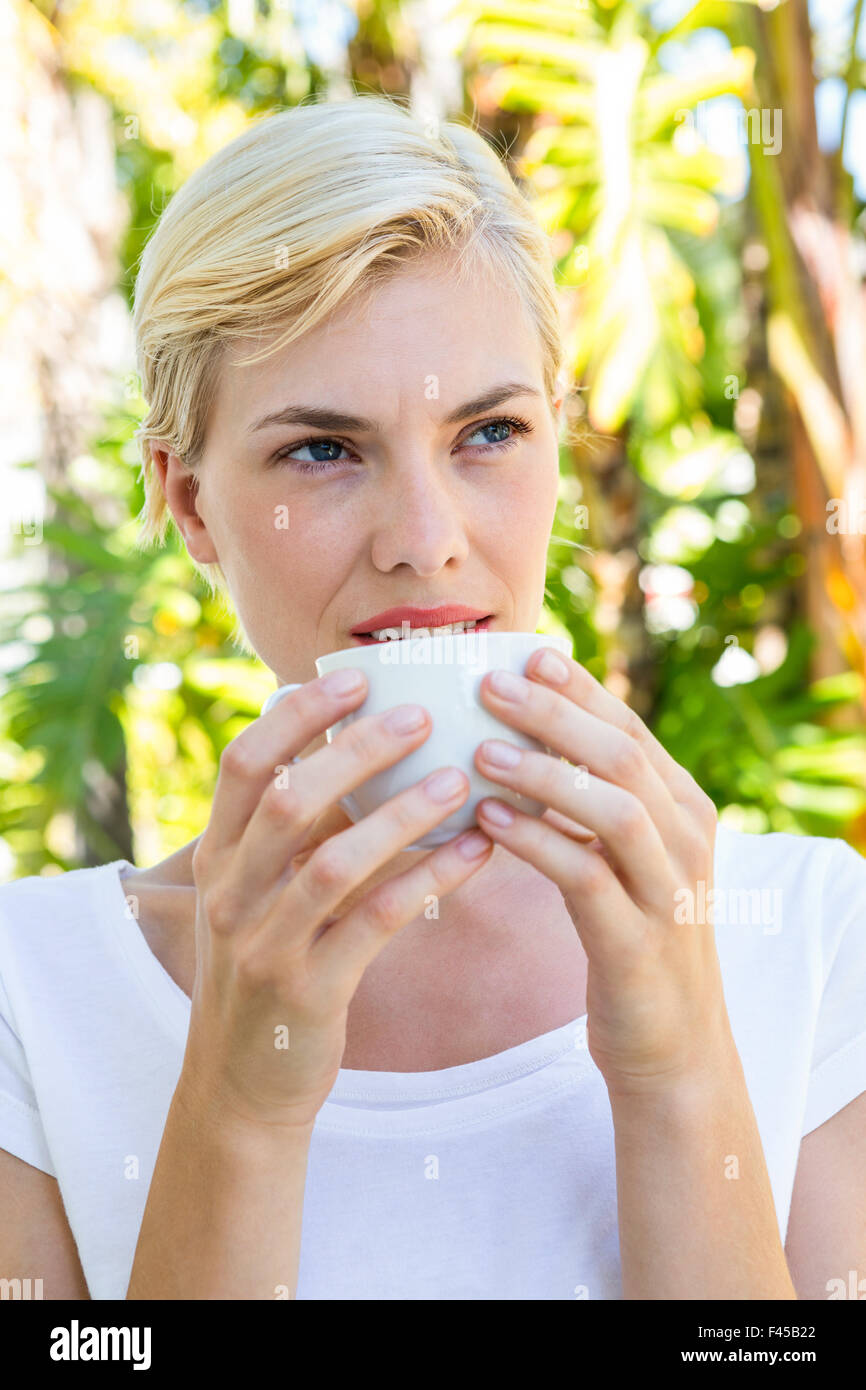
(572,1083)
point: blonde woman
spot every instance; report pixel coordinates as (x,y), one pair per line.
(567,1086)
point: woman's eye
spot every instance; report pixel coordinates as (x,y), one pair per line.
(327,450)
(324,454)
(514,427)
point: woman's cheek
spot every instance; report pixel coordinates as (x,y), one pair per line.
(527,501)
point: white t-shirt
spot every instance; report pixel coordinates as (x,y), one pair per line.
(494,1179)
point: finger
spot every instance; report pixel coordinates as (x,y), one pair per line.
(618,818)
(591,695)
(249,762)
(582,874)
(351,943)
(332,821)
(568,826)
(347,860)
(587,741)
(293,802)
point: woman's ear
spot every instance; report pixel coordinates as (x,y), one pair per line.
(180,487)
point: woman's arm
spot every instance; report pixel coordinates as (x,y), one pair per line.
(276,971)
(657,1024)
(223,1214)
(696,1212)
(826,1239)
(36,1240)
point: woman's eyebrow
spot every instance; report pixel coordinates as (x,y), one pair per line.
(323,418)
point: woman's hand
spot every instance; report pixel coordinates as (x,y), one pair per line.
(627,835)
(284,929)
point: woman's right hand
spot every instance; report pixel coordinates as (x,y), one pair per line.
(275,968)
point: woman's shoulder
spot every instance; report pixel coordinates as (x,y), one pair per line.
(38,909)
(808,891)
(54,930)
(49,887)
(789,859)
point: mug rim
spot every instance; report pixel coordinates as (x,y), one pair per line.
(562,644)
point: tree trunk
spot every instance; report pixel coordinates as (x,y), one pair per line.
(816,331)
(62,295)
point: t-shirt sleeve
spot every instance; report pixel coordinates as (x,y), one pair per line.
(21,1131)
(838,1071)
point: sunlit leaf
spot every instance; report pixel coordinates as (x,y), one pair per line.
(663,98)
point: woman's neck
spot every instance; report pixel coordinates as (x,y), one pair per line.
(498,961)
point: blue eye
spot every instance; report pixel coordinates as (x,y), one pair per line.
(517,425)
(314,444)
(520,426)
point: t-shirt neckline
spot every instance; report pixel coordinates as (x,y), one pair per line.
(352,1088)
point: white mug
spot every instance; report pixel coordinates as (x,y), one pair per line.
(443,673)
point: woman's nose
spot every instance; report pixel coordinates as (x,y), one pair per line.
(421,524)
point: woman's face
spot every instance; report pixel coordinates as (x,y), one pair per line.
(427,501)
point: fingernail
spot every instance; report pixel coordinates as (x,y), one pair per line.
(344,681)
(444,786)
(499,754)
(552,668)
(509,686)
(496,812)
(473,844)
(405,719)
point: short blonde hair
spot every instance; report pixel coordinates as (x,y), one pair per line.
(305,208)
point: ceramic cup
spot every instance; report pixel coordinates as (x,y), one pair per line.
(442,672)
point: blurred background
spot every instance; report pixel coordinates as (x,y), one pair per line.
(701,172)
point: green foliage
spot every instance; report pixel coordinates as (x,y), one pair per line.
(103,632)
(649,258)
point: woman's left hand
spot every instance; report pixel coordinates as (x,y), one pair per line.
(643,841)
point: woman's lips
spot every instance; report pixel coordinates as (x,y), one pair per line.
(481,626)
